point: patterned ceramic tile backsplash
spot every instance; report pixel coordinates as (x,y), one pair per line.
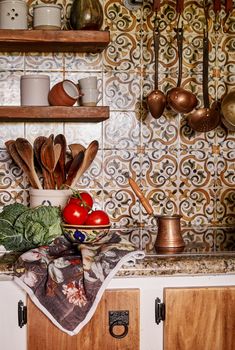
(179,170)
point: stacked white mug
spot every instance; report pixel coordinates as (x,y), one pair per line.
(89,91)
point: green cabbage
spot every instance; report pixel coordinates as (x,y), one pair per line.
(22,228)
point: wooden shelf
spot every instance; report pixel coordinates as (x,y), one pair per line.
(53,114)
(53,41)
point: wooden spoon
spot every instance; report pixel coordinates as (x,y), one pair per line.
(38,142)
(48,161)
(74,168)
(37,145)
(89,156)
(25,150)
(59,172)
(75,148)
(57,152)
(11,148)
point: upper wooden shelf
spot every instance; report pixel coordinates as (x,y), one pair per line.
(53,114)
(53,41)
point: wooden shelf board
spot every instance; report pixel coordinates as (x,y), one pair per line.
(53,113)
(53,41)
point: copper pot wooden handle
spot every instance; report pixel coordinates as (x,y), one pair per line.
(156,5)
(228,5)
(144,201)
(217,6)
(179,6)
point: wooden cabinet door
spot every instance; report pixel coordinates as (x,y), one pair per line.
(11,335)
(199,318)
(43,335)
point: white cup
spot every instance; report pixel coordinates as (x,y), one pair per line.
(13,14)
(89,97)
(88,83)
(47,16)
(34,90)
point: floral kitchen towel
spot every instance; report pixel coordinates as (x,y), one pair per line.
(67,281)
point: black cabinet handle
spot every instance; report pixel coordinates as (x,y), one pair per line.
(22,314)
(118,318)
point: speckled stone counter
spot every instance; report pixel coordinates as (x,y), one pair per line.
(157,265)
(209,252)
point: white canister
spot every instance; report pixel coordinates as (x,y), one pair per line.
(13,14)
(47,16)
(34,90)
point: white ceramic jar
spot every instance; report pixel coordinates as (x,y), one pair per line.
(34,90)
(47,16)
(13,14)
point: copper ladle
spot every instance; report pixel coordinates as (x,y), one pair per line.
(205,119)
(179,99)
(156,100)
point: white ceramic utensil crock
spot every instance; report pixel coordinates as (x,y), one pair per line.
(34,90)
(57,198)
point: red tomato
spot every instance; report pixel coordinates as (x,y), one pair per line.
(97,217)
(83,199)
(74,214)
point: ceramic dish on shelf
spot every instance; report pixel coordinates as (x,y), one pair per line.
(84,233)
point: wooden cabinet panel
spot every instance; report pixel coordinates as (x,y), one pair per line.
(42,334)
(199,318)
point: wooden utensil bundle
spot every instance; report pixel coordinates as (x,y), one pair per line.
(58,167)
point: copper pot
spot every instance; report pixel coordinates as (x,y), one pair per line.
(169,233)
(169,239)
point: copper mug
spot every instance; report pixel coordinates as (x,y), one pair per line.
(169,238)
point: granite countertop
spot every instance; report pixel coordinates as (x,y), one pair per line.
(207,251)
